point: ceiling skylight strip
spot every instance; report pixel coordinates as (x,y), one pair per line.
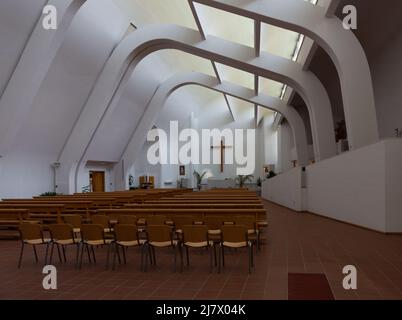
(201,30)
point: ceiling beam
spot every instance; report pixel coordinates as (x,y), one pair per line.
(201,30)
(257,47)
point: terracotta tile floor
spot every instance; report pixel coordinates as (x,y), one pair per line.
(295,243)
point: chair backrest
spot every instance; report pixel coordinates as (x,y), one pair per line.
(195,233)
(234,233)
(30,231)
(61,231)
(127,219)
(247,221)
(180,221)
(214,222)
(75,220)
(155,220)
(101,219)
(126,232)
(159,233)
(92,232)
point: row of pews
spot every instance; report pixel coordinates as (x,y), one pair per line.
(47,210)
(142,204)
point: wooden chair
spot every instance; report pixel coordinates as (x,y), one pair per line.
(214,225)
(75,220)
(182,220)
(102,220)
(155,220)
(161,236)
(62,235)
(32,234)
(127,219)
(235,236)
(196,236)
(93,235)
(250,224)
(126,236)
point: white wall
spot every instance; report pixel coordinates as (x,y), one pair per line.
(285,189)
(17,20)
(350,187)
(387,79)
(285,146)
(361,187)
(393,186)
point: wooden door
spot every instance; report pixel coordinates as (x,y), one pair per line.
(97,181)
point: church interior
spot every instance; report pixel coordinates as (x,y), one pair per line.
(200,150)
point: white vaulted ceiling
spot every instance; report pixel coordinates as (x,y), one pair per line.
(217,23)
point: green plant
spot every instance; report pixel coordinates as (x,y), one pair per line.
(242,179)
(48,194)
(271,174)
(199,178)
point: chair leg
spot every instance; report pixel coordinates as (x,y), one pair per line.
(249,258)
(153,254)
(58,251)
(115,247)
(77,255)
(35,254)
(210,258)
(252,256)
(64,253)
(223,255)
(93,253)
(88,252)
(216,260)
(21,253)
(124,255)
(187,257)
(219,258)
(47,252)
(51,253)
(175,258)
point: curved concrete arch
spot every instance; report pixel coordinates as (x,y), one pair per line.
(35,61)
(168,87)
(341,45)
(135,47)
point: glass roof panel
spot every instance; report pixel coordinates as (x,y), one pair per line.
(278,41)
(144,12)
(226,25)
(241,109)
(236,76)
(270,87)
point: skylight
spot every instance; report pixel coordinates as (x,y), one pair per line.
(236,76)
(226,25)
(271,87)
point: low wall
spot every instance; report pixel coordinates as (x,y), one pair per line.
(362,187)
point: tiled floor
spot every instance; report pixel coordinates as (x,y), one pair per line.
(296,243)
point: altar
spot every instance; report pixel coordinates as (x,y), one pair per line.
(221,183)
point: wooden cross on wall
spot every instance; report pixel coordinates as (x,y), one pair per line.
(222,147)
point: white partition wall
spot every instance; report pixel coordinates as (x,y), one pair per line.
(361,187)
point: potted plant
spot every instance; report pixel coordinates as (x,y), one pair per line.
(242,179)
(199,178)
(271,174)
(48,194)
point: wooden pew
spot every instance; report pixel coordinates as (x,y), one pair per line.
(259,214)
(38,211)
(10,219)
(190,205)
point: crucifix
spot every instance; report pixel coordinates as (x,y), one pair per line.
(222,147)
